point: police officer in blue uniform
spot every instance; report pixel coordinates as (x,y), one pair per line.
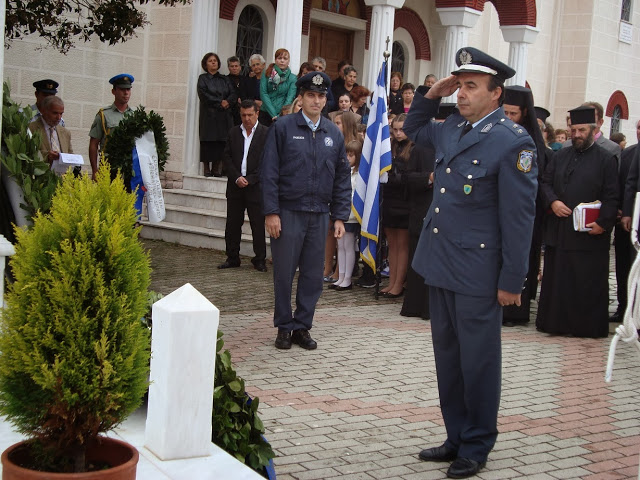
(306,182)
(474,247)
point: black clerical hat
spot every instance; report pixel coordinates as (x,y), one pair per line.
(542,113)
(582,115)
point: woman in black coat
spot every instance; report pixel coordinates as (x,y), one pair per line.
(217,94)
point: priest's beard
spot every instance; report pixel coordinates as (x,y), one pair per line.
(582,144)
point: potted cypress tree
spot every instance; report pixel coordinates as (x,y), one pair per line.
(74,356)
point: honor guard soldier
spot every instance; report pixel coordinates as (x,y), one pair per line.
(305,177)
(44,88)
(474,247)
(109,117)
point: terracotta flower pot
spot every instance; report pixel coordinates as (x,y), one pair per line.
(122,456)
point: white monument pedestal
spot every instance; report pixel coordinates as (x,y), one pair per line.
(183,352)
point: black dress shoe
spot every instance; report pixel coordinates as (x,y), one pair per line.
(283,340)
(464,468)
(332,286)
(438,454)
(303,338)
(260,266)
(392,295)
(228,264)
(338,288)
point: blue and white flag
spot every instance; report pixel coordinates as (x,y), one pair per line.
(374,165)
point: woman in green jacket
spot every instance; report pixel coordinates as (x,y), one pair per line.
(277,87)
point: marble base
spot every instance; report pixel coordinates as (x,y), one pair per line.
(218,465)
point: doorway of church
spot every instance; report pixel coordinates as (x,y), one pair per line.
(332,44)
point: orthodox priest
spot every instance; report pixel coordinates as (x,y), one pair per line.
(518,106)
(574,297)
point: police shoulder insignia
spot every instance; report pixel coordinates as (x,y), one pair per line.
(467,189)
(525,161)
(328,141)
(486,128)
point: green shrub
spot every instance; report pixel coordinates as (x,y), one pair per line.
(237,429)
(73,353)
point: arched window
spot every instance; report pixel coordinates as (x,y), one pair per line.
(616,116)
(397,58)
(625,12)
(249,39)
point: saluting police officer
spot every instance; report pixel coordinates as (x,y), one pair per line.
(474,247)
(109,117)
(305,179)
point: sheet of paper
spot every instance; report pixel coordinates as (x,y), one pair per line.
(71,159)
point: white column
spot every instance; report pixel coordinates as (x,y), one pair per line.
(458,21)
(288,31)
(204,38)
(183,356)
(6,250)
(382,19)
(519,38)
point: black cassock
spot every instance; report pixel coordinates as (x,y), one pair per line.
(574,297)
(419,196)
(520,314)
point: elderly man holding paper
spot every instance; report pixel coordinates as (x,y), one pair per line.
(574,298)
(55,140)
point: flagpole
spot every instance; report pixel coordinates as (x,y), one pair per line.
(378,273)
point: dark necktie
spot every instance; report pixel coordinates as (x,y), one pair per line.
(467,128)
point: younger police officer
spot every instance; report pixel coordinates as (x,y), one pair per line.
(306,182)
(109,117)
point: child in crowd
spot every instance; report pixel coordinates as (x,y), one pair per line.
(347,244)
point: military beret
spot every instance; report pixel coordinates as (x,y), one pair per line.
(46,86)
(542,113)
(517,95)
(582,114)
(472,60)
(123,80)
(315,82)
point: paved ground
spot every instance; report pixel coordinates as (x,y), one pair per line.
(365,402)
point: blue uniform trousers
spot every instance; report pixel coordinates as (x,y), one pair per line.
(466,345)
(301,244)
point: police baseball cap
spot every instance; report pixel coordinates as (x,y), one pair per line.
(46,86)
(123,80)
(444,110)
(472,60)
(314,82)
(583,114)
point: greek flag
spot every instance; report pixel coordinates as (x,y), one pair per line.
(374,165)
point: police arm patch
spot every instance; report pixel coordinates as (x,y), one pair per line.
(525,161)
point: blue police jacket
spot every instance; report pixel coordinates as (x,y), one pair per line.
(477,233)
(304,170)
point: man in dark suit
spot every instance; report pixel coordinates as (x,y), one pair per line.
(474,247)
(629,178)
(242,155)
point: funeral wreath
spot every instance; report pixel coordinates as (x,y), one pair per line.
(22,160)
(122,140)
(74,356)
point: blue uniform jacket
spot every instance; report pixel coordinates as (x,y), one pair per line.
(476,236)
(304,170)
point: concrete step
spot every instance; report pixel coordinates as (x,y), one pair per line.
(214,202)
(200,183)
(198,217)
(195,236)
